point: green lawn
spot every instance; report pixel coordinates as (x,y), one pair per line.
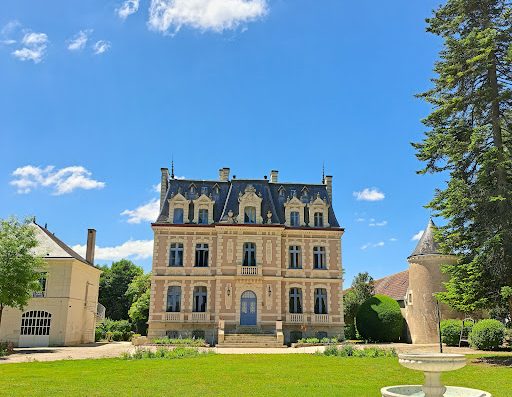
(233,375)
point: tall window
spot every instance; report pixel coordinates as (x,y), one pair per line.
(319,219)
(203,217)
(176,254)
(295,300)
(201,255)
(200,299)
(174,299)
(294,218)
(295,257)
(249,254)
(249,215)
(178,215)
(319,261)
(42,284)
(320,301)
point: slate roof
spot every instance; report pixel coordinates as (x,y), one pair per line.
(273,194)
(51,246)
(395,286)
(427,244)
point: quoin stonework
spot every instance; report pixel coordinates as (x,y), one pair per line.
(236,256)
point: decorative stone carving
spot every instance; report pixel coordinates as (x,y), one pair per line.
(178,201)
(318,205)
(294,204)
(249,199)
(228,296)
(203,202)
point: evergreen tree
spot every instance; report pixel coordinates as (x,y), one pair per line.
(470,138)
(361,289)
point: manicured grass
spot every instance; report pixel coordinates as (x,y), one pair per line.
(233,375)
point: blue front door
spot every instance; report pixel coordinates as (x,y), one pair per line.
(248,308)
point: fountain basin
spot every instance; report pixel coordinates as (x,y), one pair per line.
(432,362)
(417,391)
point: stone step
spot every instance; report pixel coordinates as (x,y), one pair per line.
(271,339)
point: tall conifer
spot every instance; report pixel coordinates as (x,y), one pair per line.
(469,138)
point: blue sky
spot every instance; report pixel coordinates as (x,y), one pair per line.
(106,92)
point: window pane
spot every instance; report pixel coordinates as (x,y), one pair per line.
(203,217)
(249,215)
(178,215)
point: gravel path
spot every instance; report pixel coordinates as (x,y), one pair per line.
(109,350)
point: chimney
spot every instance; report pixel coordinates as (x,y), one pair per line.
(224,174)
(91,245)
(328,183)
(273,176)
(164,185)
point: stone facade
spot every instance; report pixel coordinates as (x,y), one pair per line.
(64,313)
(257,262)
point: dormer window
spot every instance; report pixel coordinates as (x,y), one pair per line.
(203,217)
(178,216)
(204,190)
(295,218)
(319,219)
(249,215)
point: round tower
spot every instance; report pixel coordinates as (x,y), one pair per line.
(426,279)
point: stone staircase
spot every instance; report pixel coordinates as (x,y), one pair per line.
(246,340)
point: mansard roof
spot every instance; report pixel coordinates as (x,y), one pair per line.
(427,244)
(273,195)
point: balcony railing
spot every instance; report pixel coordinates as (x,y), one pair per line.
(321,318)
(296,318)
(200,317)
(173,316)
(248,270)
(38,294)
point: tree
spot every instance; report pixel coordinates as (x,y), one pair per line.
(138,293)
(19,266)
(362,288)
(114,282)
(470,139)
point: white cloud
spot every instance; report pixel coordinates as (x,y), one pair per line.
(369,194)
(131,249)
(214,15)
(417,236)
(373,245)
(101,46)
(146,212)
(63,181)
(360,220)
(128,8)
(34,47)
(6,32)
(378,224)
(393,239)
(79,40)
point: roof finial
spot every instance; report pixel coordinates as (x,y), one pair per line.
(172,167)
(323,172)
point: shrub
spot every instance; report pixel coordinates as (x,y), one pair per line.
(350,351)
(6,348)
(163,353)
(487,335)
(450,331)
(179,341)
(379,319)
(317,340)
(120,330)
(350,331)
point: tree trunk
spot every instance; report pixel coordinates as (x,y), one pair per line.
(1,312)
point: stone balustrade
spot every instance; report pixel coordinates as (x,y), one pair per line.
(249,270)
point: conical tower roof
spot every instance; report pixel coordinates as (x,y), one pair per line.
(427,244)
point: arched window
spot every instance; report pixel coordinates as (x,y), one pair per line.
(250,215)
(319,219)
(200,296)
(319,261)
(35,322)
(176,254)
(201,255)
(249,254)
(203,217)
(178,216)
(174,299)
(294,218)
(320,301)
(295,300)
(295,257)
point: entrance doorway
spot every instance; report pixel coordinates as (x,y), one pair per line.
(248,308)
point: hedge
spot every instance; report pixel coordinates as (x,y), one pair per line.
(379,319)
(487,335)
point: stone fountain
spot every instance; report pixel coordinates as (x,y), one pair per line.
(432,364)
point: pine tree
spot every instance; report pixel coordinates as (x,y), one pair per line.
(470,138)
